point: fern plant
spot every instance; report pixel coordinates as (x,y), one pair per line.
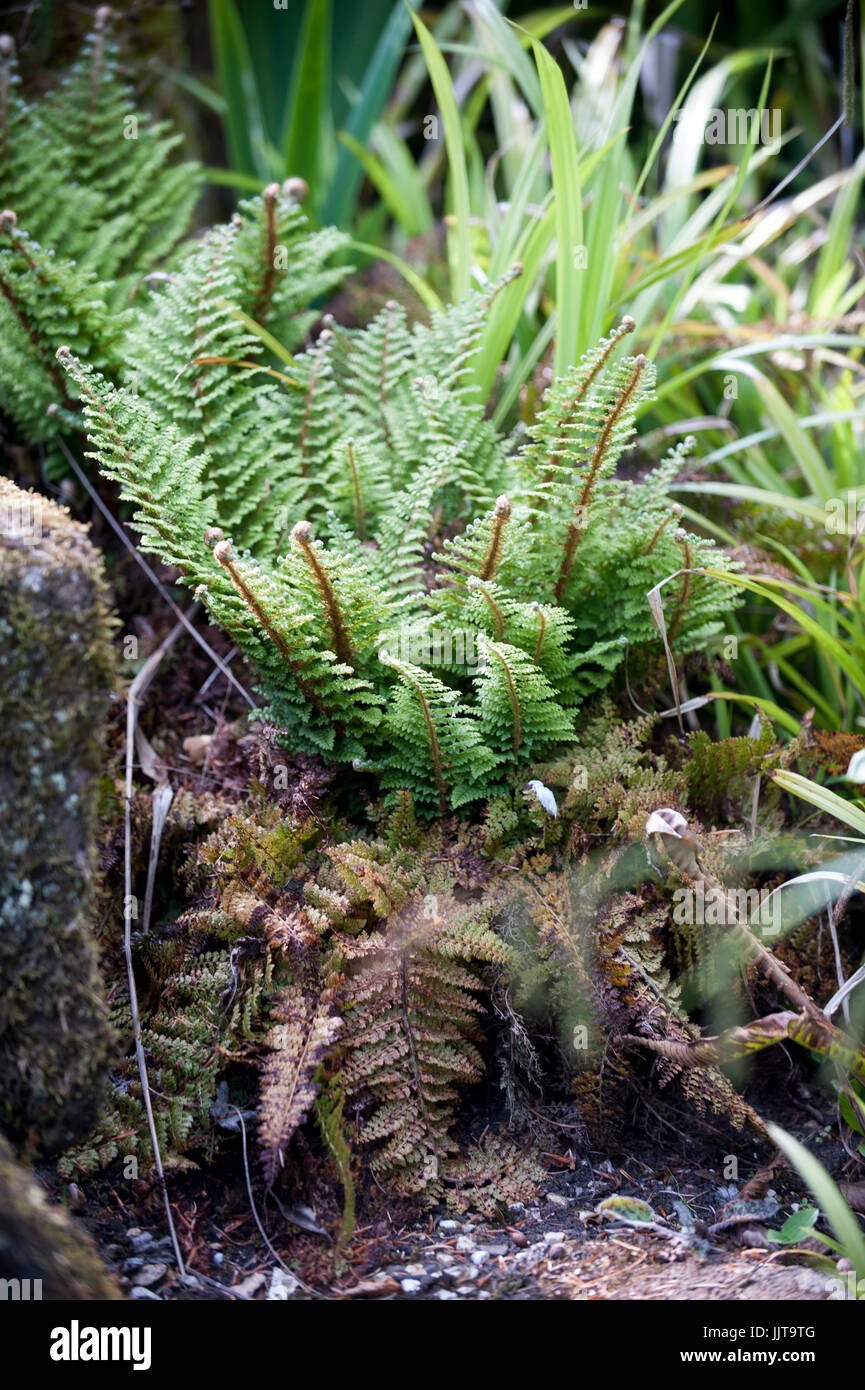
(421,595)
(92,203)
(82,244)
(357,998)
(318,512)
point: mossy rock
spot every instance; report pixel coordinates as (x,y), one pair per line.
(56,679)
(40,1242)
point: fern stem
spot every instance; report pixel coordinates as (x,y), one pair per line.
(673,515)
(204,308)
(102,21)
(263,299)
(413,1056)
(627,325)
(391,306)
(323,345)
(543,623)
(6,223)
(576,528)
(492,559)
(302,537)
(359,515)
(223,554)
(517,736)
(432,736)
(685,591)
(498,616)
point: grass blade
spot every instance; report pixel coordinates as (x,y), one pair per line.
(338,207)
(567,204)
(459,232)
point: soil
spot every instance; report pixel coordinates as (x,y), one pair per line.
(556,1247)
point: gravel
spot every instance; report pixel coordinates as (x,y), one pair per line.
(149,1274)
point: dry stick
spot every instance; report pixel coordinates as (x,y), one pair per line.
(160,800)
(133,697)
(836,947)
(762,957)
(160,587)
(788,178)
(254,1209)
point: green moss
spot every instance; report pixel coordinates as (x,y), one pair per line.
(56,676)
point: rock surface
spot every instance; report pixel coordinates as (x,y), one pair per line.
(56,675)
(42,1244)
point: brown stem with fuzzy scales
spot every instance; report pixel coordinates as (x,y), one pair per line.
(673,515)
(576,528)
(685,591)
(302,537)
(498,616)
(261,306)
(627,325)
(432,736)
(543,622)
(517,736)
(224,556)
(359,514)
(493,557)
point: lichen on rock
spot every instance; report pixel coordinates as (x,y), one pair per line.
(56,679)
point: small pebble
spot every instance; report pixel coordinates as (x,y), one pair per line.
(449,1225)
(250,1285)
(410,1285)
(282,1286)
(479,1257)
(149,1275)
(445,1293)
(465,1243)
(139,1292)
(500,1248)
(555,1200)
(139,1240)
